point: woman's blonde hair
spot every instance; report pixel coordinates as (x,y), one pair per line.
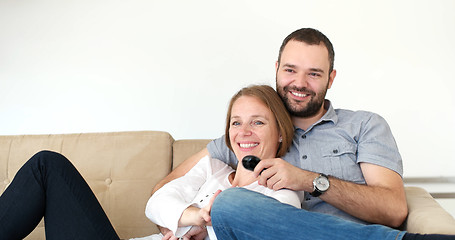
(270,98)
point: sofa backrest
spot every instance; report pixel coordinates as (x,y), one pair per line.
(121,168)
(184,149)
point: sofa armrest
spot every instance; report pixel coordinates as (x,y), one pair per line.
(425,214)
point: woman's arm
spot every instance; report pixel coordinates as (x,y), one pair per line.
(167,205)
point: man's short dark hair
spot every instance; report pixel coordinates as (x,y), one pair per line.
(312,37)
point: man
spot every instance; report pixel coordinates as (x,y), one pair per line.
(347,162)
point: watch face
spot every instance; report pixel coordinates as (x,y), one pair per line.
(322,183)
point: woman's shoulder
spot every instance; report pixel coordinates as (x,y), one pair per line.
(217,164)
(214,165)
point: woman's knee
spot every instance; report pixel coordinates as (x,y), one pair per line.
(45,155)
(49,158)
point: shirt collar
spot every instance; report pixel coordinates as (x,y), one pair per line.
(329,116)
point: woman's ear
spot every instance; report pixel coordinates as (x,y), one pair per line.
(280,139)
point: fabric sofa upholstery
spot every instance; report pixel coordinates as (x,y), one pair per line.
(123,167)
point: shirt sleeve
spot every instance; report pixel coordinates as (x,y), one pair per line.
(377,145)
(166,206)
(219,150)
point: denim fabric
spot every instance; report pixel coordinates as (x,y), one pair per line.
(238,213)
(49,185)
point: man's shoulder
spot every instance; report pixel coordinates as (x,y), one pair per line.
(349,112)
(346,115)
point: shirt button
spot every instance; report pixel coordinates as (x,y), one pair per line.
(335,151)
(304,156)
(304,136)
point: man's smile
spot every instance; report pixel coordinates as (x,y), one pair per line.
(297,94)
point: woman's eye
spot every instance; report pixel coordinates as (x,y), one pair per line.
(235,123)
(258,123)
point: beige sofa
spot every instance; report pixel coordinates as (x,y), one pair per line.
(123,167)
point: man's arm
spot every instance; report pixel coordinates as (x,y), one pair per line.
(182,169)
(382,200)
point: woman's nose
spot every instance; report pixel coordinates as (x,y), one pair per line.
(246,129)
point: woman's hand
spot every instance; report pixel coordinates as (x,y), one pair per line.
(199,218)
(169,236)
(193,216)
(205,211)
(195,233)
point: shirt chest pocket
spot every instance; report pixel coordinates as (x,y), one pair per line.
(340,160)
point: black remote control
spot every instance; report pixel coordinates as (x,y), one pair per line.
(249,162)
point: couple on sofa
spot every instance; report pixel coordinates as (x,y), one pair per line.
(357,150)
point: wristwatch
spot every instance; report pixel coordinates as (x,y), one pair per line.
(320,185)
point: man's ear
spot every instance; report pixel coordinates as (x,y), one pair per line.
(331,78)
(276,66)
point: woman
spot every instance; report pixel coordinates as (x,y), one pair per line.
(256,124)
(48,184)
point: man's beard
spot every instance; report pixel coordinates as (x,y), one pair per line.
(311,109)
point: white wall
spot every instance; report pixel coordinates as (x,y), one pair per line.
(97,65)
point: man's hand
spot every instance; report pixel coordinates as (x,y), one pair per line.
(280,174)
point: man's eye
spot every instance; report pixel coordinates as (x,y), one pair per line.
(315,74)
(288,70)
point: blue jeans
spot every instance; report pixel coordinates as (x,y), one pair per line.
(238,213)
(49,185)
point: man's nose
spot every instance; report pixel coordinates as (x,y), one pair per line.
(301,81)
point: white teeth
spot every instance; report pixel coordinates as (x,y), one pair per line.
(298,94)
(248,145)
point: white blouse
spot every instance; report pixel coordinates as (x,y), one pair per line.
(196,188)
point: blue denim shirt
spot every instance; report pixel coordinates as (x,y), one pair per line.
(335,145)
